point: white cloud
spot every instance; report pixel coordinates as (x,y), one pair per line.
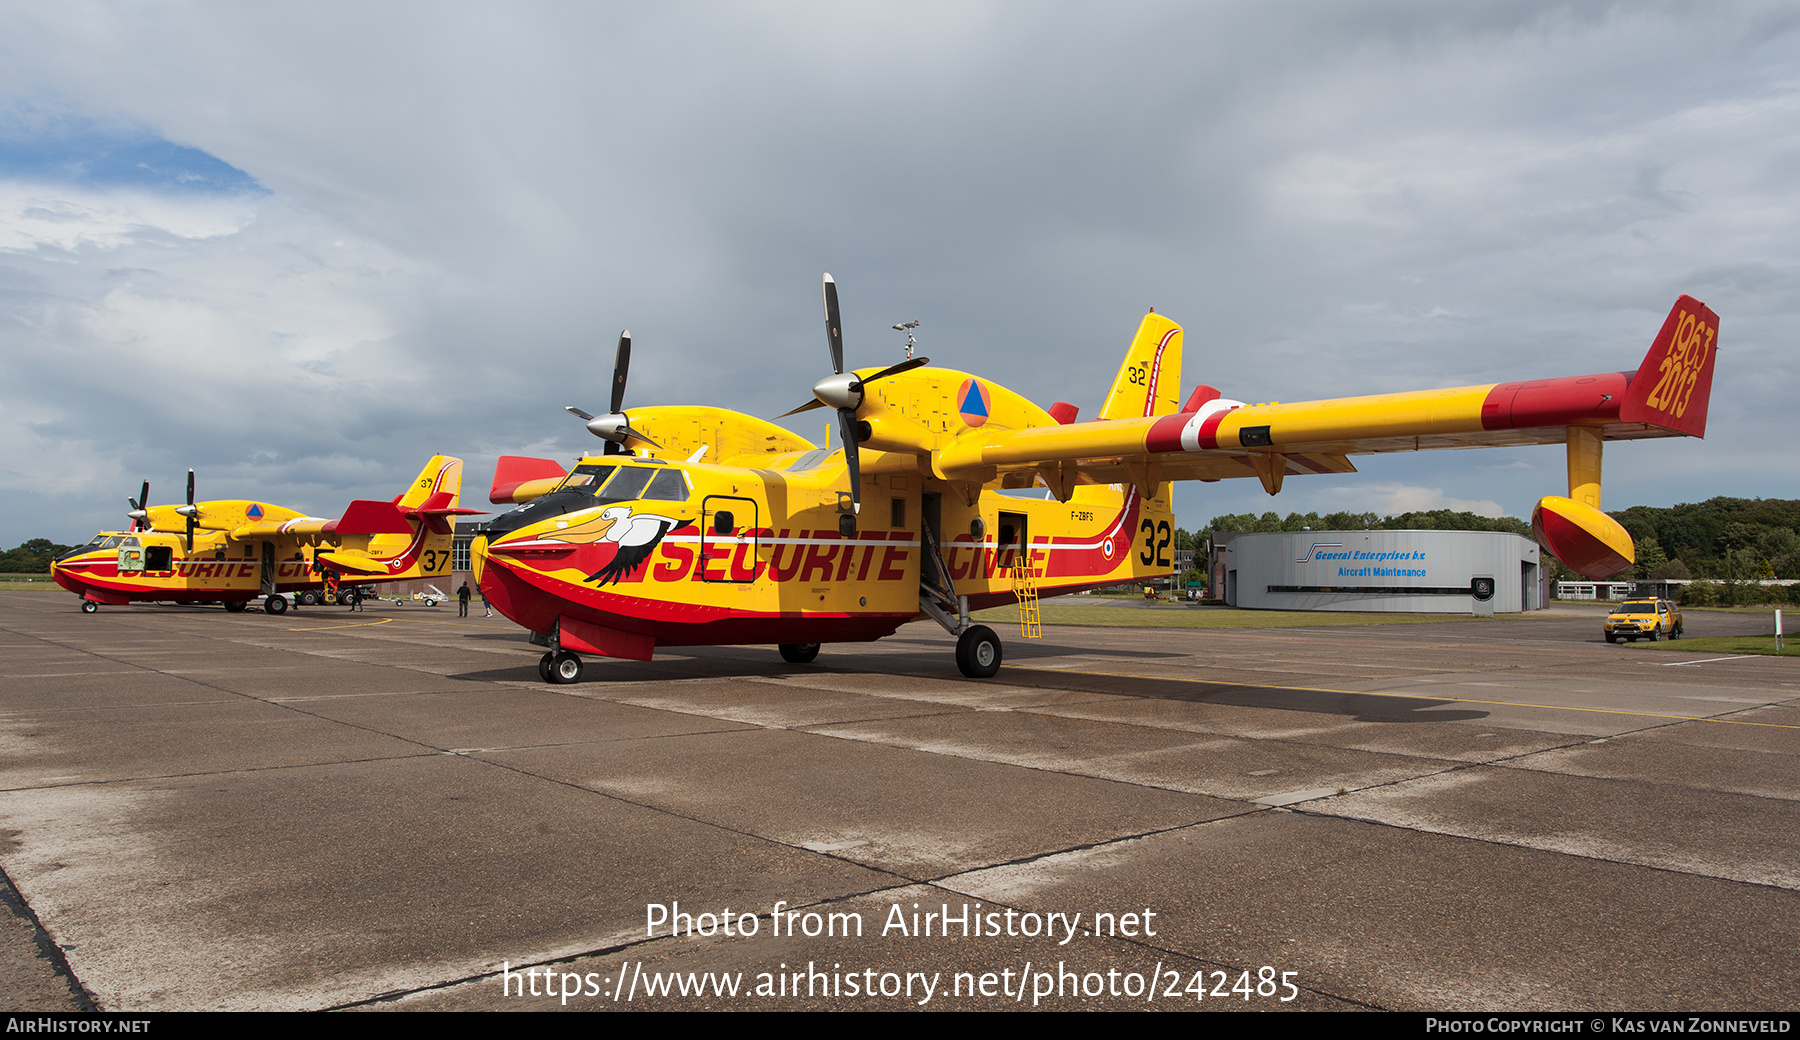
(65,218)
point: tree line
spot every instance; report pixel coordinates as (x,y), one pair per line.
(31,558)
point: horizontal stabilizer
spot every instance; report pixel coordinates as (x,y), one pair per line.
(511,471)
(368,517)
(359,566)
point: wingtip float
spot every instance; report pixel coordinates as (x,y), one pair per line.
(768,542)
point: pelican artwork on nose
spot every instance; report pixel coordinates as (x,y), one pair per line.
(636,535)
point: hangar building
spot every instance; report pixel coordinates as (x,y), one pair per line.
(1448,572)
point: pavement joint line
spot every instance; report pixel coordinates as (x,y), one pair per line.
(1250,809)
(667,811)
(1710,660)
(224,772)
(1500,843)
(353,624)
(15,901)
(1413,697)
(285,706)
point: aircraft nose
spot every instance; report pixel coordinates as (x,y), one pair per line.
(554,504)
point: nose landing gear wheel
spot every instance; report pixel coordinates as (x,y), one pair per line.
(235,606)
(978,652)
(88,606)
(544,663)
(565,668)
(799,653)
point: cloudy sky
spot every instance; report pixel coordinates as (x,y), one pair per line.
(301,247)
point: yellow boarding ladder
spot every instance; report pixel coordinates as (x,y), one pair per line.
(1024,585)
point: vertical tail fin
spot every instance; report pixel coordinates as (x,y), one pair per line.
(1150,378)
(438,485)
(1674,384)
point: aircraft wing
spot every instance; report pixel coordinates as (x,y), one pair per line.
(1666,397)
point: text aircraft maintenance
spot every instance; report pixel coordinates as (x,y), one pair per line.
(703,526)
(230,552)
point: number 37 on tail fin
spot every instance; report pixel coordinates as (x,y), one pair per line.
(703,526)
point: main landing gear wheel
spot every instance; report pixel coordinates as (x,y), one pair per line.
(544,663)
(799,653)
(565,668)
(978,652)
(275,605)
(235,606)
(88,606)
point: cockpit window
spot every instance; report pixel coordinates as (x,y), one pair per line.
(667,487)
(113,542)
(634,483)
(627,484)
(588,477)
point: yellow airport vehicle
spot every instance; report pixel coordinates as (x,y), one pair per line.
(230,552)
(1650,619)
(704,526)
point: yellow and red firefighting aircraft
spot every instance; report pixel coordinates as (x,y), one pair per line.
(233,551)
(701,526)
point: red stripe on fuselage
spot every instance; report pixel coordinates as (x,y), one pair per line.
(1554,402)
(1165,433)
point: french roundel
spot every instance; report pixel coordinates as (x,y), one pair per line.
(973,402)
(1106,548)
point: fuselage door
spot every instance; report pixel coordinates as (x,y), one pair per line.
(268,568)
(730,539)
(131,557)
(1015,542)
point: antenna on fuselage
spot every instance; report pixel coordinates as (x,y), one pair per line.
(907,327)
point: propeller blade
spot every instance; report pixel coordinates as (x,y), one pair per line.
(904,366)
(847,433)
(807,407)
(190,487)
(578,413)
(621,363)
(191,524)
(834,331)
(636,434)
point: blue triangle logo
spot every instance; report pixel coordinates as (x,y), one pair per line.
(973,404)
(254,512)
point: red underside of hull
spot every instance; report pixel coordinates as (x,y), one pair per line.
(519,597)
(119,592)
(525,598)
